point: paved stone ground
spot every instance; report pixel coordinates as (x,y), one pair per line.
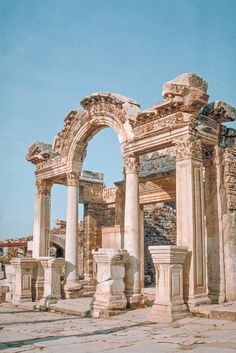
(22,330)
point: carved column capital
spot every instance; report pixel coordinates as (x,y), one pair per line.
(43,187)
(132,164)
(188,147)
(72,179)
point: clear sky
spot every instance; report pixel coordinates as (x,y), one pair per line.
(52,53)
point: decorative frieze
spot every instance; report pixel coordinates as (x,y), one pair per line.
(188,147)
(158,162)
(132,164)
(158,123)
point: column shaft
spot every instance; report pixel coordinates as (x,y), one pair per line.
(132,233)
(71,248)
(42,210)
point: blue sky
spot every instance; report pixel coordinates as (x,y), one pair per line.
(52,53)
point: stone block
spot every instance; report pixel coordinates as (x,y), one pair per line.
(24,271)
(109,298)
(168,261)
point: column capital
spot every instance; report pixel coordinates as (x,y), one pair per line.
(43,187)
(188,147)
(132,164)
(72,179)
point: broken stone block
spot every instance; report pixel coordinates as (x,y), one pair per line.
(109,298)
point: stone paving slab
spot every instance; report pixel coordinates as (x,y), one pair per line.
(78,307)
(23,330)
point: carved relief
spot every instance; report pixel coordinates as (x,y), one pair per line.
(49,163)
(43,187)
(72,178)
(103,104)
(160,161)
(65,137)
(145,127)
(230,178)
(132,164)
(188,147)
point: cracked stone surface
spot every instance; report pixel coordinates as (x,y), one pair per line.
(24,330)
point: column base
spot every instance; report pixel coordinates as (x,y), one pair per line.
(73,290)
(44,303)
(89,288)
(168,313)
(17,299)
(105,305)
(197,300)
(135,301)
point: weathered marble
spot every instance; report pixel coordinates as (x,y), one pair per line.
(172,137)
(109,298)
(52,280)
(169,304)
(24,273)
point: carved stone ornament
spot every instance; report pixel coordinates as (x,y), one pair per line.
(43,187)
(188,147)
(72,179)
(132,164)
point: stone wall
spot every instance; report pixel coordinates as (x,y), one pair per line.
(159,229)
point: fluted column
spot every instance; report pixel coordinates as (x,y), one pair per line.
(132,231)
(42,211)
(190,218)
(71,247)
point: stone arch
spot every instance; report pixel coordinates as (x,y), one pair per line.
(102,110)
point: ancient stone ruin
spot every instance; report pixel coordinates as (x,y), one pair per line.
(176,153)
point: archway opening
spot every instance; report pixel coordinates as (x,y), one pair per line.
(100,221)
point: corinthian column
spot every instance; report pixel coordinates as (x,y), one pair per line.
(71,247)
(41,230)
(132,232)
(190,218)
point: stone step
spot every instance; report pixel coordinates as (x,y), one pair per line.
(78,307)
(226,311)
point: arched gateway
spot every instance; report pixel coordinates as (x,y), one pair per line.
(185,122)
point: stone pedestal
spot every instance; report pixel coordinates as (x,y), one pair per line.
(109,298)
(52,280)
(24,270)
(169,304)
